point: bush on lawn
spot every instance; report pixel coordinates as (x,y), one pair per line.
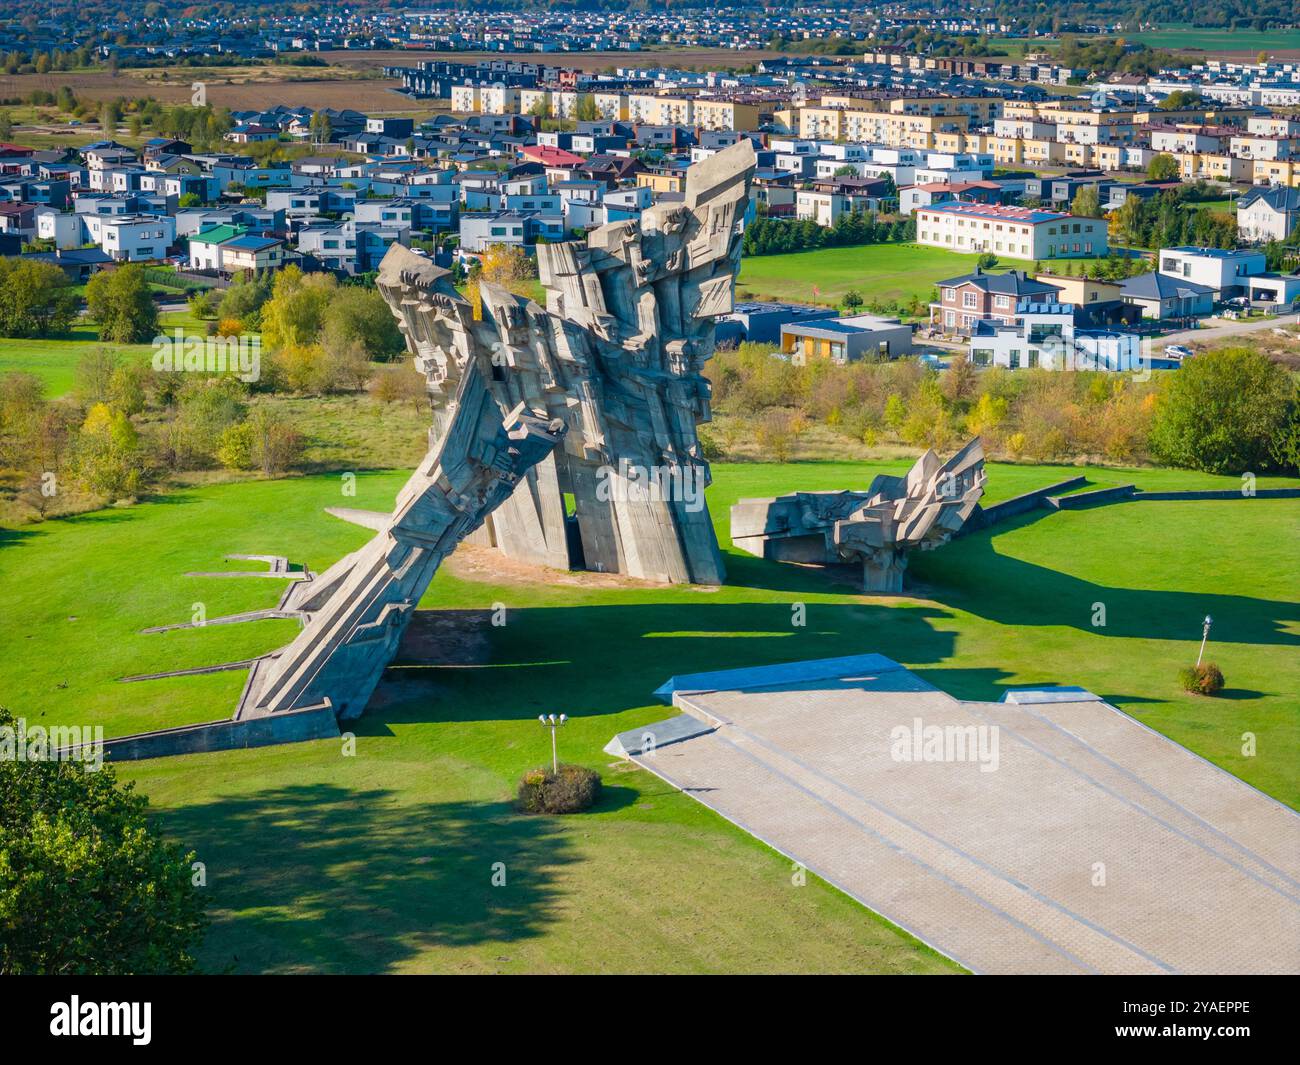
(1205,679)
(570,791)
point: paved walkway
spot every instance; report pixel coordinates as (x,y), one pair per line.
(1095,845)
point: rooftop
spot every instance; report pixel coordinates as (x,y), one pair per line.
(1032,215)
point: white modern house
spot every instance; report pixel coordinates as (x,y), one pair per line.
(132,238)
(1044,336)
(65,228)
(1227,272)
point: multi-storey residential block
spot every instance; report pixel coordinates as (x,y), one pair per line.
(1021,232)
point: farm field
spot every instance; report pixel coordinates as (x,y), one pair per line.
(1208,39)
(235,87)
(877,271)
(382,861)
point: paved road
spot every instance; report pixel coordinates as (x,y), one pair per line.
(1216,333)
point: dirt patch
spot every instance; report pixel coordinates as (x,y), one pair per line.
(446,638)
(473,563)
(241,88)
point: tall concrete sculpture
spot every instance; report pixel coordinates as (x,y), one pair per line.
(355,613)
(617,356)
(877,527)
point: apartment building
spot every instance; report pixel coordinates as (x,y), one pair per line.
(1021,232)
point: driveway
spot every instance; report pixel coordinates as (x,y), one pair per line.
(1217,333)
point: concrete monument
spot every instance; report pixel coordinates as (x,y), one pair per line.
(617,356)
(877,527)
(354,614)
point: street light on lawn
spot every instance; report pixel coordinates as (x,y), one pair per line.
(552,722)
(1205,635)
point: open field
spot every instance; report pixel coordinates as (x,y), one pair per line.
(55,361)
(876,271)
(1246,43)
(235,87)
(382,861)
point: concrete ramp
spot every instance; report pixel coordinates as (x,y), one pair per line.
(1049,833)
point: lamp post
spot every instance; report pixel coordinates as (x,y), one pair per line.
(1205,635)
(552,722)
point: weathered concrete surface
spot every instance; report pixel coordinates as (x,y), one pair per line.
(355,613)
(296,726)
(1095,845)
(618,355)
(877,527)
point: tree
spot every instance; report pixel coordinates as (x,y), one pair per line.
(295,313)
(584,108)
(852,300)
(1180,99)
(1164,167)
(1086,203)
(120,301)
(36,299)
(109,461)
(504,265)
(401,384)
(87,886)
(93,375)
(1223,412)
(361,315)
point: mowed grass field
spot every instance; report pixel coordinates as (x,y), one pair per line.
(875,271)
(55,360)
(384,861)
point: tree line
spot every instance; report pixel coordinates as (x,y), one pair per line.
(1231,410)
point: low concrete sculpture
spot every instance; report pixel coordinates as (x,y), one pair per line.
(877,527)
(617,355)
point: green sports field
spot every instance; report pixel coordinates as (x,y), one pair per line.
(876,271)
(384,861)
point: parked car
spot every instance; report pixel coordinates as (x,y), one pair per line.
(1177,351)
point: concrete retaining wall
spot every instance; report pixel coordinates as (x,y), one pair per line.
(1097,496)
(1022,504)
(1223,493)
(291,726)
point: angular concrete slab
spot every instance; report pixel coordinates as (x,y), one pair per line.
(782,673)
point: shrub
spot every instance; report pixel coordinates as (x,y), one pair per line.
(1205,679)
(570,791)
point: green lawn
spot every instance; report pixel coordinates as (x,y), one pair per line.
(876,271)
(55,361)
(383,861)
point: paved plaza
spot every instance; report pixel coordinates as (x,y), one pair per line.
(1049,833)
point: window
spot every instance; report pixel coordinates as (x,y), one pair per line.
(1033,358)
(1002,302)
(1014,360)
(982,356)
(969,300)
